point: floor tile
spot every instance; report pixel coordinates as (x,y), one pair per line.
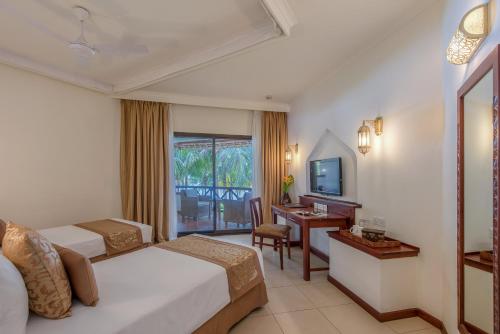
(316,277)
(261,311)
(287,299)
(408,325)
(262,325)
(308,321)
(276,279)
(433,330)
(324,294)
(352,319)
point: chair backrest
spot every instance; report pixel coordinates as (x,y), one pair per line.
(256,211)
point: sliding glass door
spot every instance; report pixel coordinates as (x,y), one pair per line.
(213,178)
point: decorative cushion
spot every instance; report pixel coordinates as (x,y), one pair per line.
(80,274)
(275,230)
(14,309)
(43,272)
(3,227)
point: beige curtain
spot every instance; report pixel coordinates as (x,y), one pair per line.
(144,164)
(274,141)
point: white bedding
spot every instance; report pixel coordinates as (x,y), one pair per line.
(85,242)
(148,291)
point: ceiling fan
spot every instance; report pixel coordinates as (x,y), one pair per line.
(81,46)
(84,50)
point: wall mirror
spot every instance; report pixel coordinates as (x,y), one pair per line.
(478,200)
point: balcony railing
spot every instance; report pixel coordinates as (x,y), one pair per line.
(221,193)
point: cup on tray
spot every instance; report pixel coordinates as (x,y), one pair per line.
(357,230)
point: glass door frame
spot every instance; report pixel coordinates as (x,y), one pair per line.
(213,137)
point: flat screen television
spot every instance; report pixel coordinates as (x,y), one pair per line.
(326,176)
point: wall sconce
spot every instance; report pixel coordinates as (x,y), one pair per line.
(288,152)
(364,144)
(470,34)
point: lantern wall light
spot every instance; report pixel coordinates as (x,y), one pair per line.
(289,154)
(364,140)
(470,34)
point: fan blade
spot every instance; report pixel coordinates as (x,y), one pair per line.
(120,50)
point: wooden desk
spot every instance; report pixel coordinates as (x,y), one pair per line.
(331,219)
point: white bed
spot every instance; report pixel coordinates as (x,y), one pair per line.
(147,291)
(86,242)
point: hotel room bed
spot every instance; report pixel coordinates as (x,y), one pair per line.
(154,290)
(88,243)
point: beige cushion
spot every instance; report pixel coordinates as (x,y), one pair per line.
(276,230)
(43,272)
(3,228)
(80,274)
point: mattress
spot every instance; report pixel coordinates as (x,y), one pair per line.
(147,291)
(86,242)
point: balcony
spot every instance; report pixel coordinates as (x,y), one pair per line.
(197,206)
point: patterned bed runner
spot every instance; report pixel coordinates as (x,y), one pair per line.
(118,237)
(241,263)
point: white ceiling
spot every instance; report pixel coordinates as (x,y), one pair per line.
(328,33)
(220,53)
(177,34)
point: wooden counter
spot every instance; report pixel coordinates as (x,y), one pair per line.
(404,250)
(472,259)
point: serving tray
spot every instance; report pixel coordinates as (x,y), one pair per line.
(388,243)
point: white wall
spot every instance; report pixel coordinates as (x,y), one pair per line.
(400,178)
(212,120)
(453,78)
(60,151)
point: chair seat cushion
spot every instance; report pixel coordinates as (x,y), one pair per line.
(275,230)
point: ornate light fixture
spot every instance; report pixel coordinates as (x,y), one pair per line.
(469,35)
(364,143)
(288,152)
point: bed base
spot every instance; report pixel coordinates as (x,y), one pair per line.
(230,315)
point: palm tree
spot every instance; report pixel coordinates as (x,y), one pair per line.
(194,166)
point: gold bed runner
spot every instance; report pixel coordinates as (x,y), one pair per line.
(241,263)
(118,237)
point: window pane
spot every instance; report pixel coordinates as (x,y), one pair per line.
(194,184)
(234,161)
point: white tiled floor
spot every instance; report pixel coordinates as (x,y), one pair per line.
(316,307)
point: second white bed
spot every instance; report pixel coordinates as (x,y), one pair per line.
(86,242)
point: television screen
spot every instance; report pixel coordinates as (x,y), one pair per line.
(326,176)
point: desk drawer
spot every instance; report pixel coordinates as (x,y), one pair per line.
(279,213)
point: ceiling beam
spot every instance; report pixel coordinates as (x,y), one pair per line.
(281,12)
(204,101)
(193,62)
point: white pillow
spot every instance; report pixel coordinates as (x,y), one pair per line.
(14,310)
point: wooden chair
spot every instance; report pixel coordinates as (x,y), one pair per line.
(279,233)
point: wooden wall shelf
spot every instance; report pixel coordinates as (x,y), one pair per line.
(472,259)
(404,250)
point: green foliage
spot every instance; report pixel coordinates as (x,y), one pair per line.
(193,166)
(234,166)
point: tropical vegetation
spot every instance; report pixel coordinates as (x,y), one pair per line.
(193,166)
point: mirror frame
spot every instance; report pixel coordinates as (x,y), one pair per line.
(491,62)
